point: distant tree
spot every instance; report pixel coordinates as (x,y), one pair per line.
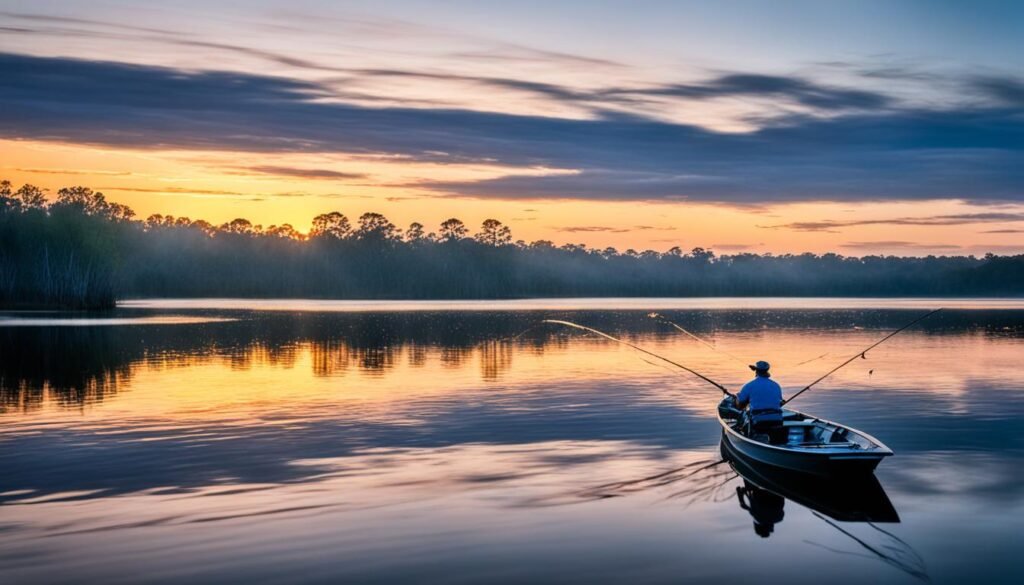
(376,227)
(494,233)
(701,255)
(542,245)
(7,201)
(204,226)
(239,226)
(31,197)
(81,199)
(453,230)
(330,225)
(414,233)
(154,221)
(81,250)
(285,231)
(119,212)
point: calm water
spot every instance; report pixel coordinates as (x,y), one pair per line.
(226,441)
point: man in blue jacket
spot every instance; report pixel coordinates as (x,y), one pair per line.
(764,397)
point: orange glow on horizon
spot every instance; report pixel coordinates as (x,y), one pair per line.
(217,187)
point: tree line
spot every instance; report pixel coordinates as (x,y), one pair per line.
(79,250)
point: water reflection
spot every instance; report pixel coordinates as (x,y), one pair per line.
(766,508)
(76,365)
(426,445)
(856,498)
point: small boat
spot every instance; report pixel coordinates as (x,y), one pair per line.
(810,445)
(859,498)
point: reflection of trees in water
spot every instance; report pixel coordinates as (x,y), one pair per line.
(495,358)
(256,354)
(330,358)
(69,365)
(76,365)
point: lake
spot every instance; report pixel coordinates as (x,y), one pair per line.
(237,441)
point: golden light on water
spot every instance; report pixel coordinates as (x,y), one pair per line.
(305,380)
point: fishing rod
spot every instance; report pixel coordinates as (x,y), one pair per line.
(660,317)
(641,350)
(861,354)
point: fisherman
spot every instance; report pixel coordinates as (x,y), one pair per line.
(764,397)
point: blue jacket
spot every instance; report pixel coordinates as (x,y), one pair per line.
(765,395)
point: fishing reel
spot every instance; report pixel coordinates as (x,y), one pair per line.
(728,409)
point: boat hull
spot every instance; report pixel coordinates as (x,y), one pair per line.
(824,461)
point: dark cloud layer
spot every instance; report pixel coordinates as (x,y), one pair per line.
(795,89)
(889,153)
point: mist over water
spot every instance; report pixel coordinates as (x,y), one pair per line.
(232,442)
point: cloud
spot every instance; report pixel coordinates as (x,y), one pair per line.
(561,93)
(935,248)
(996,248)
(492,50)
(975,154)
(937,220)
(795,89)
(74,172)
(54,19)
(175,190)
(614,230)
(592,229)
(208,192)
(734,247)
(898,244)
(1006,231)
(303,173)
(1007,90)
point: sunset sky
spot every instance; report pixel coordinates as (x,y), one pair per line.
(854,127)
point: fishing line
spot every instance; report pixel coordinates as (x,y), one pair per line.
(811,360)
(862,354)
(640,349)
(920,572)
(660,317)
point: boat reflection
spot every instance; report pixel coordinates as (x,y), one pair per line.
(847,499)
(853,499)
(765,507)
